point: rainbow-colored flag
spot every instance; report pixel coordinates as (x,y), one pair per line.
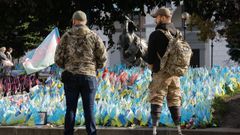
(43,55)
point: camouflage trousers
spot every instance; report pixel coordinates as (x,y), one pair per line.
(165,85)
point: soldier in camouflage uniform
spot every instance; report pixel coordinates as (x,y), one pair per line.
(80,53)
(163,84)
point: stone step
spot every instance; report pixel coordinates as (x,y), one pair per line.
(42,130)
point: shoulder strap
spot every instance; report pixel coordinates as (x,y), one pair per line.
(159,56)
(169,36)
(163,59)
(166,33)
(179,34)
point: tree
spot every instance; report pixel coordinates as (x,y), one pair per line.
(24,23)
(233,34)
(209,15)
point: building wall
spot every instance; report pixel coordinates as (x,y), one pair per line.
(220,56)
(114,53)
(105,41)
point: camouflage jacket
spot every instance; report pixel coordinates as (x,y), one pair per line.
(81,51)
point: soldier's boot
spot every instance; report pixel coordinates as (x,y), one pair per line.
(155,113)
(176,116)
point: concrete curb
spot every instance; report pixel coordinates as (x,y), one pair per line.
(42,130)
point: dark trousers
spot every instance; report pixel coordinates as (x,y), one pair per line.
(86,86)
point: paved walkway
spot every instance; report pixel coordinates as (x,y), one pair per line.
(43,130)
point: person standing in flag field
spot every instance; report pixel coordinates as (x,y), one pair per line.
(9,54)
(80,53)
(163,84)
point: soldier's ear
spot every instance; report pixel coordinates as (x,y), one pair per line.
(73,22)
(70,22)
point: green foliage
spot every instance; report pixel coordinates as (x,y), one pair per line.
(206,27)
(210,14)
(220,105)
(219,109)
(233,34)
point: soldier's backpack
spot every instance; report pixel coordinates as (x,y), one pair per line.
(176,59)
